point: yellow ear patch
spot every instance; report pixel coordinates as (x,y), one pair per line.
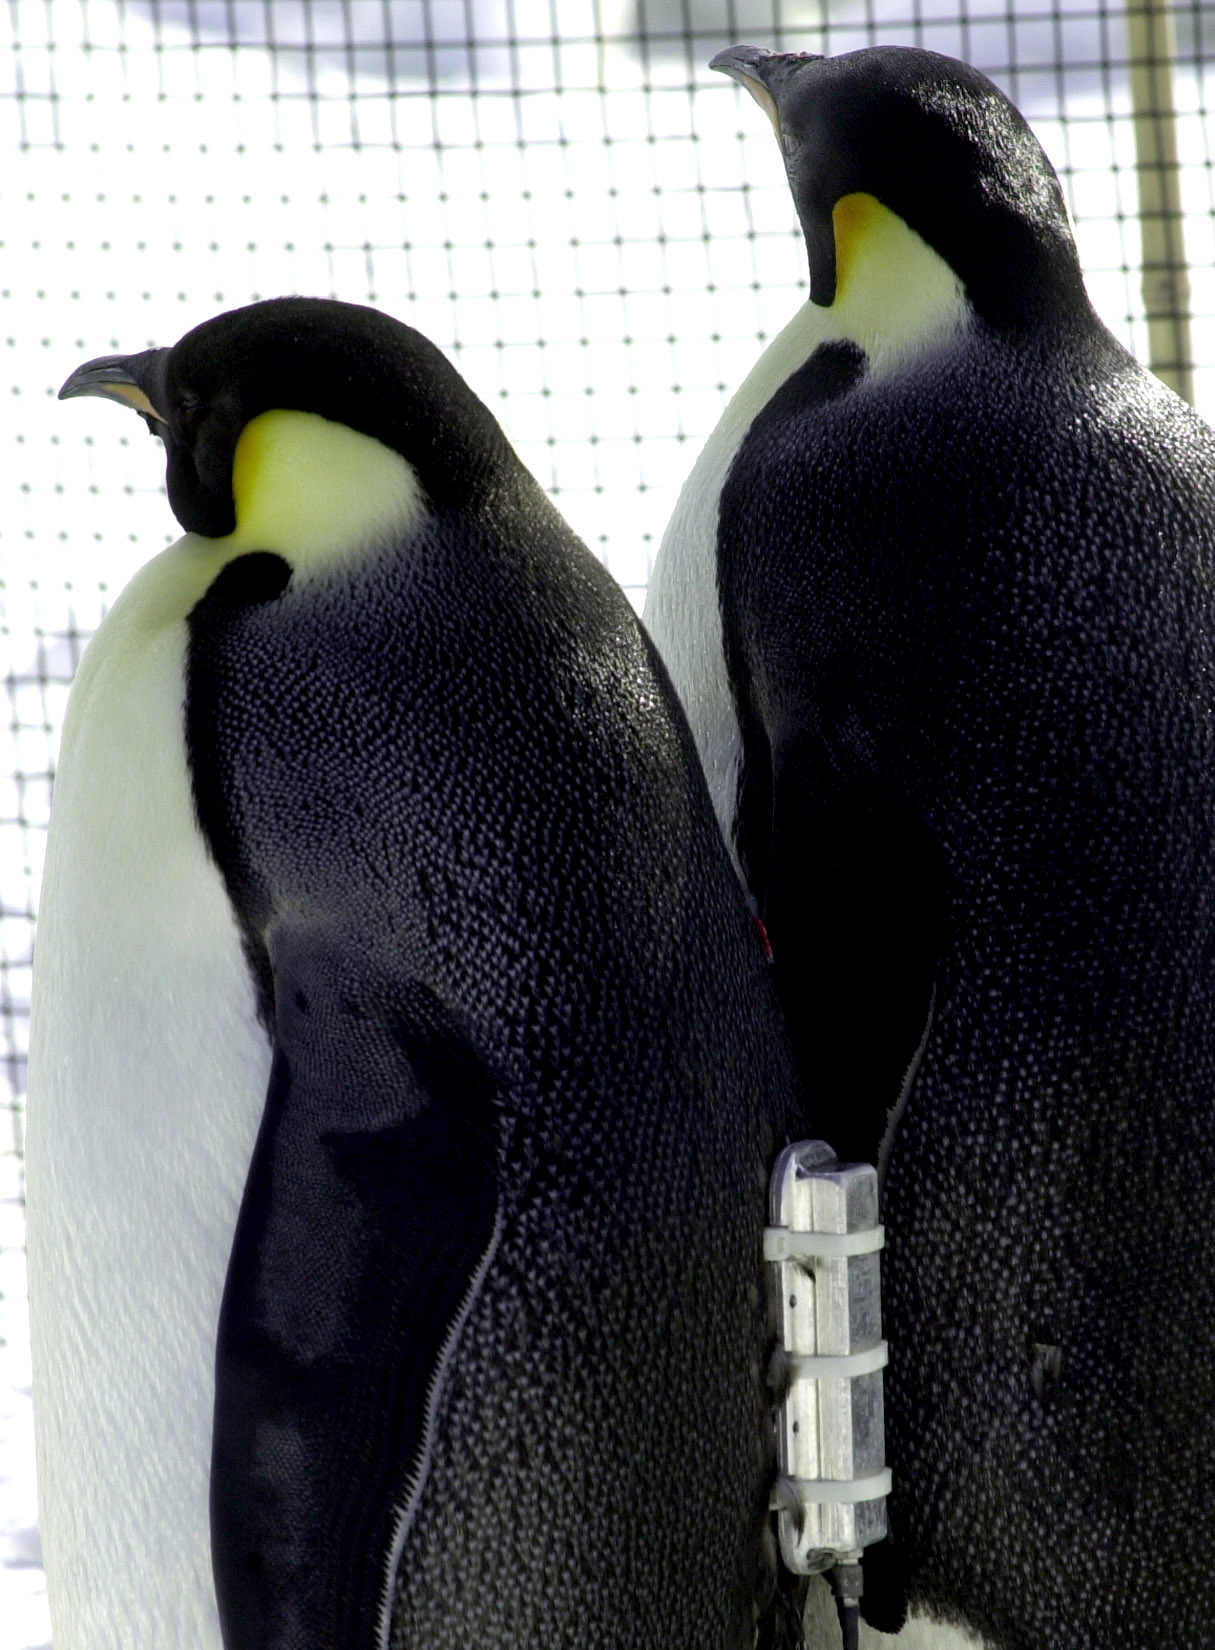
(857,220)
(893,293)
(318,493)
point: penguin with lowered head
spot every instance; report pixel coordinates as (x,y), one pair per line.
(406,1068)
(939,597)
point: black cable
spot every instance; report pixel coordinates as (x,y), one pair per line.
(847,1584)
(850,1622)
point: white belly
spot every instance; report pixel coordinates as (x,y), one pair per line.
(823,1633)
(681,606)
(148,1074)
(920,1634)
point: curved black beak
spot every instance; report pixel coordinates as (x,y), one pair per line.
(767,76)
(745,64)
(762,73)
(741,62)
(133,380)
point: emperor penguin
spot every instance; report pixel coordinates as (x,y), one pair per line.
(939,597)
(406,1065)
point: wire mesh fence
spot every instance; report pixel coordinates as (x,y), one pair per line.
(595,228)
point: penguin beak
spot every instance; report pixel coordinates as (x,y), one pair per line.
(134,380)
(766,75)
(741,63)
(759,70)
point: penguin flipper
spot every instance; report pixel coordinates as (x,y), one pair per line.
(853,895)
(368,1218)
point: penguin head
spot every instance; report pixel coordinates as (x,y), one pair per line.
(255,404)
(895,130)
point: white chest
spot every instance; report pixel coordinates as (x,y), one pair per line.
(899,301)
(919,1634)
(148,1076)
(682,612)
(823,1633)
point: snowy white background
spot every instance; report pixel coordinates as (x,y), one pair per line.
(595,228)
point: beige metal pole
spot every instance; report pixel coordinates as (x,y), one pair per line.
(1166,282)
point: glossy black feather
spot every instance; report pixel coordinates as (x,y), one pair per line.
(513,988)
(969,611)
(988,656)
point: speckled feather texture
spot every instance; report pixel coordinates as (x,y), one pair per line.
(484,727)
(968,608)
(989,673)
(409,1013)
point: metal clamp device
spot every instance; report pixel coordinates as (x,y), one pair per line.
(821,1255)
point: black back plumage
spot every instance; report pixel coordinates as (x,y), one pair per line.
(494,1303)
(969,613)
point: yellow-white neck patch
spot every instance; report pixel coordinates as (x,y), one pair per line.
(894,296)
(318,493)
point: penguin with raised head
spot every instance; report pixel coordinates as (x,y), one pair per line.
(939,597)
(406,1069)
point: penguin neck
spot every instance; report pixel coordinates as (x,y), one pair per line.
(317,492)
(895,297)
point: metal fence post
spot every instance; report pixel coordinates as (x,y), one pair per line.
(1166,283)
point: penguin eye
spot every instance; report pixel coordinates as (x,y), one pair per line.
(182,413)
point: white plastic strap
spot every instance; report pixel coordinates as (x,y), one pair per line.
(852,1363)
(821,1491)
(780,1243)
